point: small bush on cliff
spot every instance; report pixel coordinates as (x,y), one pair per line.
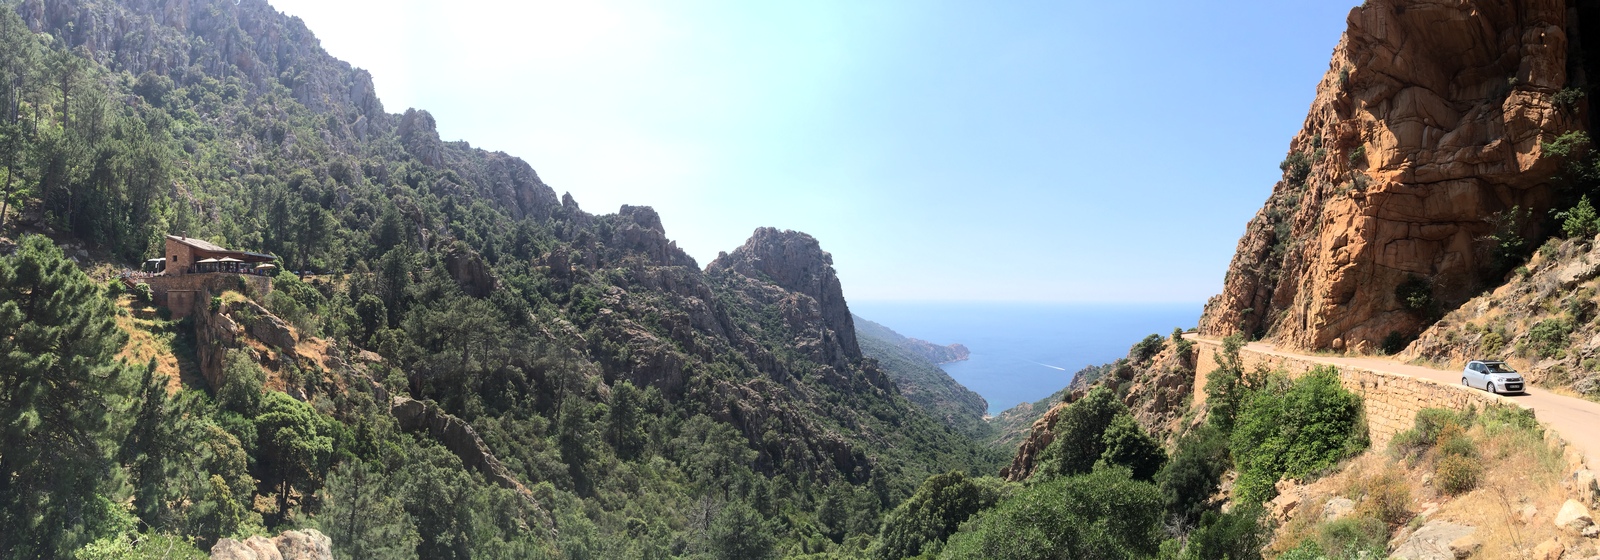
(1147,348)
(1182,344)
(1549,337)
(1295,432)
(1393,343)
(1567,98)
(1580,221)
(1296,167)
(1456,474)
(1416,294)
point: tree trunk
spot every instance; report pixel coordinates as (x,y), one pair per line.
(5,201)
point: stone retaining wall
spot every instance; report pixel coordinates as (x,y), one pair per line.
(182,292)
(1391,400)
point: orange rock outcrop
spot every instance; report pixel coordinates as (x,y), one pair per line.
(1425,134)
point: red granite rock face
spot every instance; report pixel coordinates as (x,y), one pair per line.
(1425,134)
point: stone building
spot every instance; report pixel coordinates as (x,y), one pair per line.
(196,269)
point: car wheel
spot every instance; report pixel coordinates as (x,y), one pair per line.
(1490,387)
(1464,382)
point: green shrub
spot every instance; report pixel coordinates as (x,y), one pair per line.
(1456,474)
(242,379)
(1127,445)
(1192,477)
(1182,344)
(1308,550)
(1296,432)
(1085,436)
(1567,98)
(1296,167)
(1358,155)
(1415,294)
(1104,514)
(1236,535)
(143,292)
(1354,537)
(1580,221)
(1146,349)
(216,303)
(1492,343)
(1549,337)
(932,514)
(1394,343)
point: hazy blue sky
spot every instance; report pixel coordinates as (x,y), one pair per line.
(1023,151)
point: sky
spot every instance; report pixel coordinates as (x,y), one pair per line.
(1052,151)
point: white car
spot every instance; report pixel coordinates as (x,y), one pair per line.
(1494,377)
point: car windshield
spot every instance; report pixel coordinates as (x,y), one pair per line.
(1498,368)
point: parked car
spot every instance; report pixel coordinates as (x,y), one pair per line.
(1492,376)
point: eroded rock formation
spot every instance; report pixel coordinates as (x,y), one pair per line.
(1424,140)
(795,262)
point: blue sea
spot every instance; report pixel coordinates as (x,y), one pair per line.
(1025,352)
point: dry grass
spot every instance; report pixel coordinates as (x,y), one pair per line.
(152,338)
(1519,469)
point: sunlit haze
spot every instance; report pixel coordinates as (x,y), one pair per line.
(1049,151)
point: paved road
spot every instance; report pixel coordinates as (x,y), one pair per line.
(1576,420)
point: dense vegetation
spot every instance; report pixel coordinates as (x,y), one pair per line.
(651,408)
(1104,488)
(923,381)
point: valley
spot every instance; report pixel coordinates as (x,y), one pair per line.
(248,312)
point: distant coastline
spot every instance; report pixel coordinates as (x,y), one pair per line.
(938,354)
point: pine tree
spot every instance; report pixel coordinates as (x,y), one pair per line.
(58,382)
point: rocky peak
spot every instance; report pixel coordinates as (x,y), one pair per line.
(796,262)
(420,136)
(645,216)
(1425,134)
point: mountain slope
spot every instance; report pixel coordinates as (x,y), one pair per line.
(632,403)
(921,380)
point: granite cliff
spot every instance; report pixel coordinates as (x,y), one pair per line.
(1425,148)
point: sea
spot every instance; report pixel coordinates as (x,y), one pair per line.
(1025,352)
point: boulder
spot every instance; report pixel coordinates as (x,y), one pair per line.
(1465,547)
(308,544)
(305,544)
(1337,508)
(1433,541)
(1573,517)
(1549,550)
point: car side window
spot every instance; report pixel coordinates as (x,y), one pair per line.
(1477,367)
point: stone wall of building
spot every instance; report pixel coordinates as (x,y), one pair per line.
(1391,400)
(182,292)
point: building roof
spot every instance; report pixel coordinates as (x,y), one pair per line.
(200,244)
(209,247)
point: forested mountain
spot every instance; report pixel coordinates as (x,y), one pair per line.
(921,380)
(635,405)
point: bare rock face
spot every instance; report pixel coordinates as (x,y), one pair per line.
(1432,541)
(1028,453)
(469,270)
(1424,136)
(795,262)
(420,136)
(307,544)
